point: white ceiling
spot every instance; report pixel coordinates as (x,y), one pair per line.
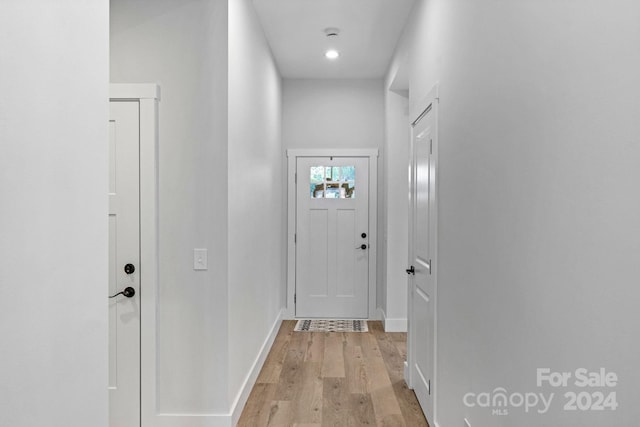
(369,32)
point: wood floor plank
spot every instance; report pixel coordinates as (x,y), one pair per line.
(402,349)
(335,407)
(307,407)
(355,371)
(409,406)
(280,414)
(385,405)
(374,363)
(258,408)
(393,420)
(333,362)
(384,399)
(392,358)
(354,339)
(315,347)
(272,368)
(361,411)
(398,336)
(290,381)
(394,361)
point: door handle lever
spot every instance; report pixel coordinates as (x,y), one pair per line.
(127,292)
(411,270)
(362,246)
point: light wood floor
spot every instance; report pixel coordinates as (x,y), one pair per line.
(314,379)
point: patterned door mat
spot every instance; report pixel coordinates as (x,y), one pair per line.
(331,325)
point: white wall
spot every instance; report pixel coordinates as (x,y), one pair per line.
(256,194)
(183,46)
(53,228)
(337,113)
(333,113)
(220,188)
(393,300)
(539,236)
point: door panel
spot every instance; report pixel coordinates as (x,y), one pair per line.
(346,261)
(422,252)
(124,248)
(332,213)
(318,252)
(423,362)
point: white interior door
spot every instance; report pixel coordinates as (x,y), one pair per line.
(124,265)
(422,295)
(332,237)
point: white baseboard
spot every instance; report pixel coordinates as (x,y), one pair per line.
(229,419)
(391,324)
(252,376)
(406,374)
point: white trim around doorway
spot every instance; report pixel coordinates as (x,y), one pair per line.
(147,96)
(292,156)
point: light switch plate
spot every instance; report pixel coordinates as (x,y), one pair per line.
(199,259)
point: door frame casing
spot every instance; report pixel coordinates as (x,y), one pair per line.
(292,159)
(432,99)
(147,96)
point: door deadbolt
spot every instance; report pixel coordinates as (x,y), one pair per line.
(363,235)
(129,268)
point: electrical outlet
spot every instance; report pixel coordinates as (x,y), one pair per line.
(199,259)
(467,423)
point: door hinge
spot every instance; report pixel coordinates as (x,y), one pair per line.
(295,178)
(295,297)
(431,146)
(295,238)
(429,387)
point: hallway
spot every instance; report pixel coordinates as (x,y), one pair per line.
(536,229)
(333,379)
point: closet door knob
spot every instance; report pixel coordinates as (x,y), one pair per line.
(128,292)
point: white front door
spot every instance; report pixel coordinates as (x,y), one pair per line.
(124,265)
(332,237)
(422,249)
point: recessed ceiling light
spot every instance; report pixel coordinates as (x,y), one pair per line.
(332,54)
